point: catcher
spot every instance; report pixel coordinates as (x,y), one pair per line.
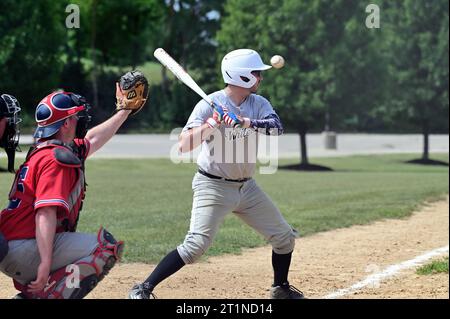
(9,127)
(47,259)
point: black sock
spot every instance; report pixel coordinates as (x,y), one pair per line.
(280,265)
(166,267)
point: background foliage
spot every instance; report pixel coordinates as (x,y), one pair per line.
(340,75)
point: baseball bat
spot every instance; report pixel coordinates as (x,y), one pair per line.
(180,73)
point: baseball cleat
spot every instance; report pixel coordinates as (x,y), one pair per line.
(141,291)
(285,291)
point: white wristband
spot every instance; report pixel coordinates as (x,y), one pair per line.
(212,123)
(246,122)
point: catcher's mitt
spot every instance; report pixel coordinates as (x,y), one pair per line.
(131,92)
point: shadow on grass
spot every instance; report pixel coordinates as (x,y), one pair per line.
(422,161)
(307,168)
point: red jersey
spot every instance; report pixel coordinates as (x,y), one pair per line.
(44,181)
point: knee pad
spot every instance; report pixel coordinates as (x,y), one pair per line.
(194,246)
(284,243)
(75,281)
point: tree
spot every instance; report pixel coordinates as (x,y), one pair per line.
(360,75)
(419,51)
(32,38)
(114,35)
(317,39)
(188,31)
(125,31)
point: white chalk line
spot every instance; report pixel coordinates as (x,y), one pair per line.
(391,271)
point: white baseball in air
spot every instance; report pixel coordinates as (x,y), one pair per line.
(277,61)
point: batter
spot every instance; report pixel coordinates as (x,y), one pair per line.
(224,184)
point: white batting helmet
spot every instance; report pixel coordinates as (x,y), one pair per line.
(237,67)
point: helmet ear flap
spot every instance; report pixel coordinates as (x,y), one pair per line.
(241,78)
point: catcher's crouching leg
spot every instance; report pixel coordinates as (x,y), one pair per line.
(77,280)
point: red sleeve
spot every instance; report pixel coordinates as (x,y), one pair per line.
(53,186)
(84,146)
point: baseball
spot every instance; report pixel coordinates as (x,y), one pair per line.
(277,61)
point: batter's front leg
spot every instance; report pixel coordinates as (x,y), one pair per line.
(213,200)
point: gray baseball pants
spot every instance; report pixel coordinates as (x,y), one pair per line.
(23,258)
(214,199)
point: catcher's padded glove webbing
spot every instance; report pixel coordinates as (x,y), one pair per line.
(132,91)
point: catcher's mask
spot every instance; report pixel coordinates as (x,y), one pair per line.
(55,108)
(83,116)
(10,140)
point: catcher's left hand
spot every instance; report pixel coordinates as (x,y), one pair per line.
(131,92)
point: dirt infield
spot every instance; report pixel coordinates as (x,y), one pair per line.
(322,264)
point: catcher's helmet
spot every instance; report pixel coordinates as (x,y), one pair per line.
(237,67)
(54,109)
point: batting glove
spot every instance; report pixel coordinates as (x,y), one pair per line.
(218,114)
(232,120)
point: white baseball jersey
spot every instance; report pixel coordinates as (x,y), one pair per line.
(230,153)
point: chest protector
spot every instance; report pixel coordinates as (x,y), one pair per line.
(66,156)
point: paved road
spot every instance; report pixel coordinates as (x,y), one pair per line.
(161,145)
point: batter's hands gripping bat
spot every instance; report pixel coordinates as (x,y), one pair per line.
(184,77)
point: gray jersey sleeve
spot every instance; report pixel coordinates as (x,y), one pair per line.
(265,108)
(268,121)
(202,111)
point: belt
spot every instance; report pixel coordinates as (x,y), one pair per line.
(221,178)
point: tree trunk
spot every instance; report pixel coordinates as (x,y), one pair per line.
(94,53)
(303,151)
(135,43)
(165,79)
(302,129)
(426,143)
(328,117)
(167,43)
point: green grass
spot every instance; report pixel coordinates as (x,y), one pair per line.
(147,202)
(152,70)
(435,267)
